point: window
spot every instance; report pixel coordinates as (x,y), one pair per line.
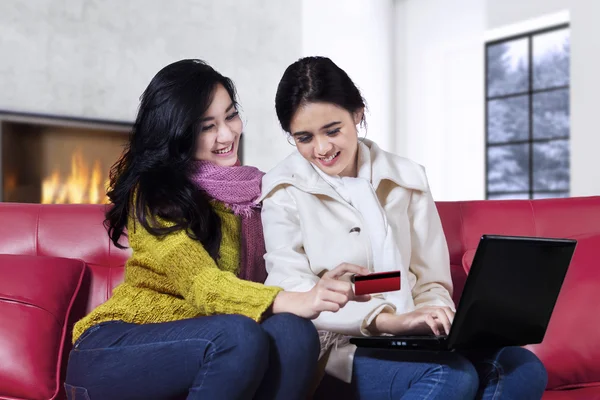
(527,115)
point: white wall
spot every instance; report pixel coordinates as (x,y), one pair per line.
(94,58)
(440,78)
(501,13)
(585,80)
(585,87)
(440,87)
(357,35)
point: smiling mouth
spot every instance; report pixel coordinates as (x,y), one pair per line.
(224,151)
(327,161)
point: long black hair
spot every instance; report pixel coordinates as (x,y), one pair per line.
(151,180)
(315,80)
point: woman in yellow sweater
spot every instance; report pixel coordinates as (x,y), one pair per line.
(193,317)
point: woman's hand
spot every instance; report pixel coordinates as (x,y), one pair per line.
(421,321)
(329,294)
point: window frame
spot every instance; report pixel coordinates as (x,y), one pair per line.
(530,92)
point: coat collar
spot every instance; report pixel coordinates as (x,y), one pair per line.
(294,170)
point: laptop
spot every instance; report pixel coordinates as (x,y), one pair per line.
(507,300)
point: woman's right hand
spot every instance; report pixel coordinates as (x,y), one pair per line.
(422,321)
(329,294)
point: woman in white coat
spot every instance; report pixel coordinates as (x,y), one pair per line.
(339,202)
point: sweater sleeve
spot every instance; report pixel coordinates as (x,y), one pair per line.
(197,277)
(430,260)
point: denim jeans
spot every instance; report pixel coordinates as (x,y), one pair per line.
(511,373)
(216,357)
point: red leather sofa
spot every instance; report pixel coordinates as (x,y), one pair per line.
(57,263)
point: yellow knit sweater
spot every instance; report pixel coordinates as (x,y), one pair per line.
(173,278)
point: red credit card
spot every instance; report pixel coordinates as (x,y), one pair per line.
(376,283)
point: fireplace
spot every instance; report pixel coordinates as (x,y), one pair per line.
(57,160)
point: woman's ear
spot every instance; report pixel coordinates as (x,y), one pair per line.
(358,115)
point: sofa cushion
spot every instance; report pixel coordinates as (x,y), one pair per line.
(467,260)
(36,295)
(587,393)
(570,348)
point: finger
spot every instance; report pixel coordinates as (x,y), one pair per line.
(361,298)
(443,319)
(432,324)
(328,306)
(333,297)
(449,313)
(344,269)
(337,286)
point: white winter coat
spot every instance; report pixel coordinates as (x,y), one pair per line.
(310,229)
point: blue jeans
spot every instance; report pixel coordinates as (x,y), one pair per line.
(509,373)
(216,357)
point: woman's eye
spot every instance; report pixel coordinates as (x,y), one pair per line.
(207,128)
(304,139)
(333,132)
(232,115)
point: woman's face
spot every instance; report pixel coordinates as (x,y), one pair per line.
(326,136)
(220,130)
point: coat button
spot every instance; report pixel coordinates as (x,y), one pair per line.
(355,229)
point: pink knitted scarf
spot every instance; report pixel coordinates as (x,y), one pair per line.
(238,187)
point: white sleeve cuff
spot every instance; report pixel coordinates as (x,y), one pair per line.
(436,303)
(372,315)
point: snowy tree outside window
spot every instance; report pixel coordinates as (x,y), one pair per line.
(527,115)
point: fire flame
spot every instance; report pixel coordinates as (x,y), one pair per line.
(10,183)
(81,186)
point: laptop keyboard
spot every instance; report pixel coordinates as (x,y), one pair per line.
(438,337)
